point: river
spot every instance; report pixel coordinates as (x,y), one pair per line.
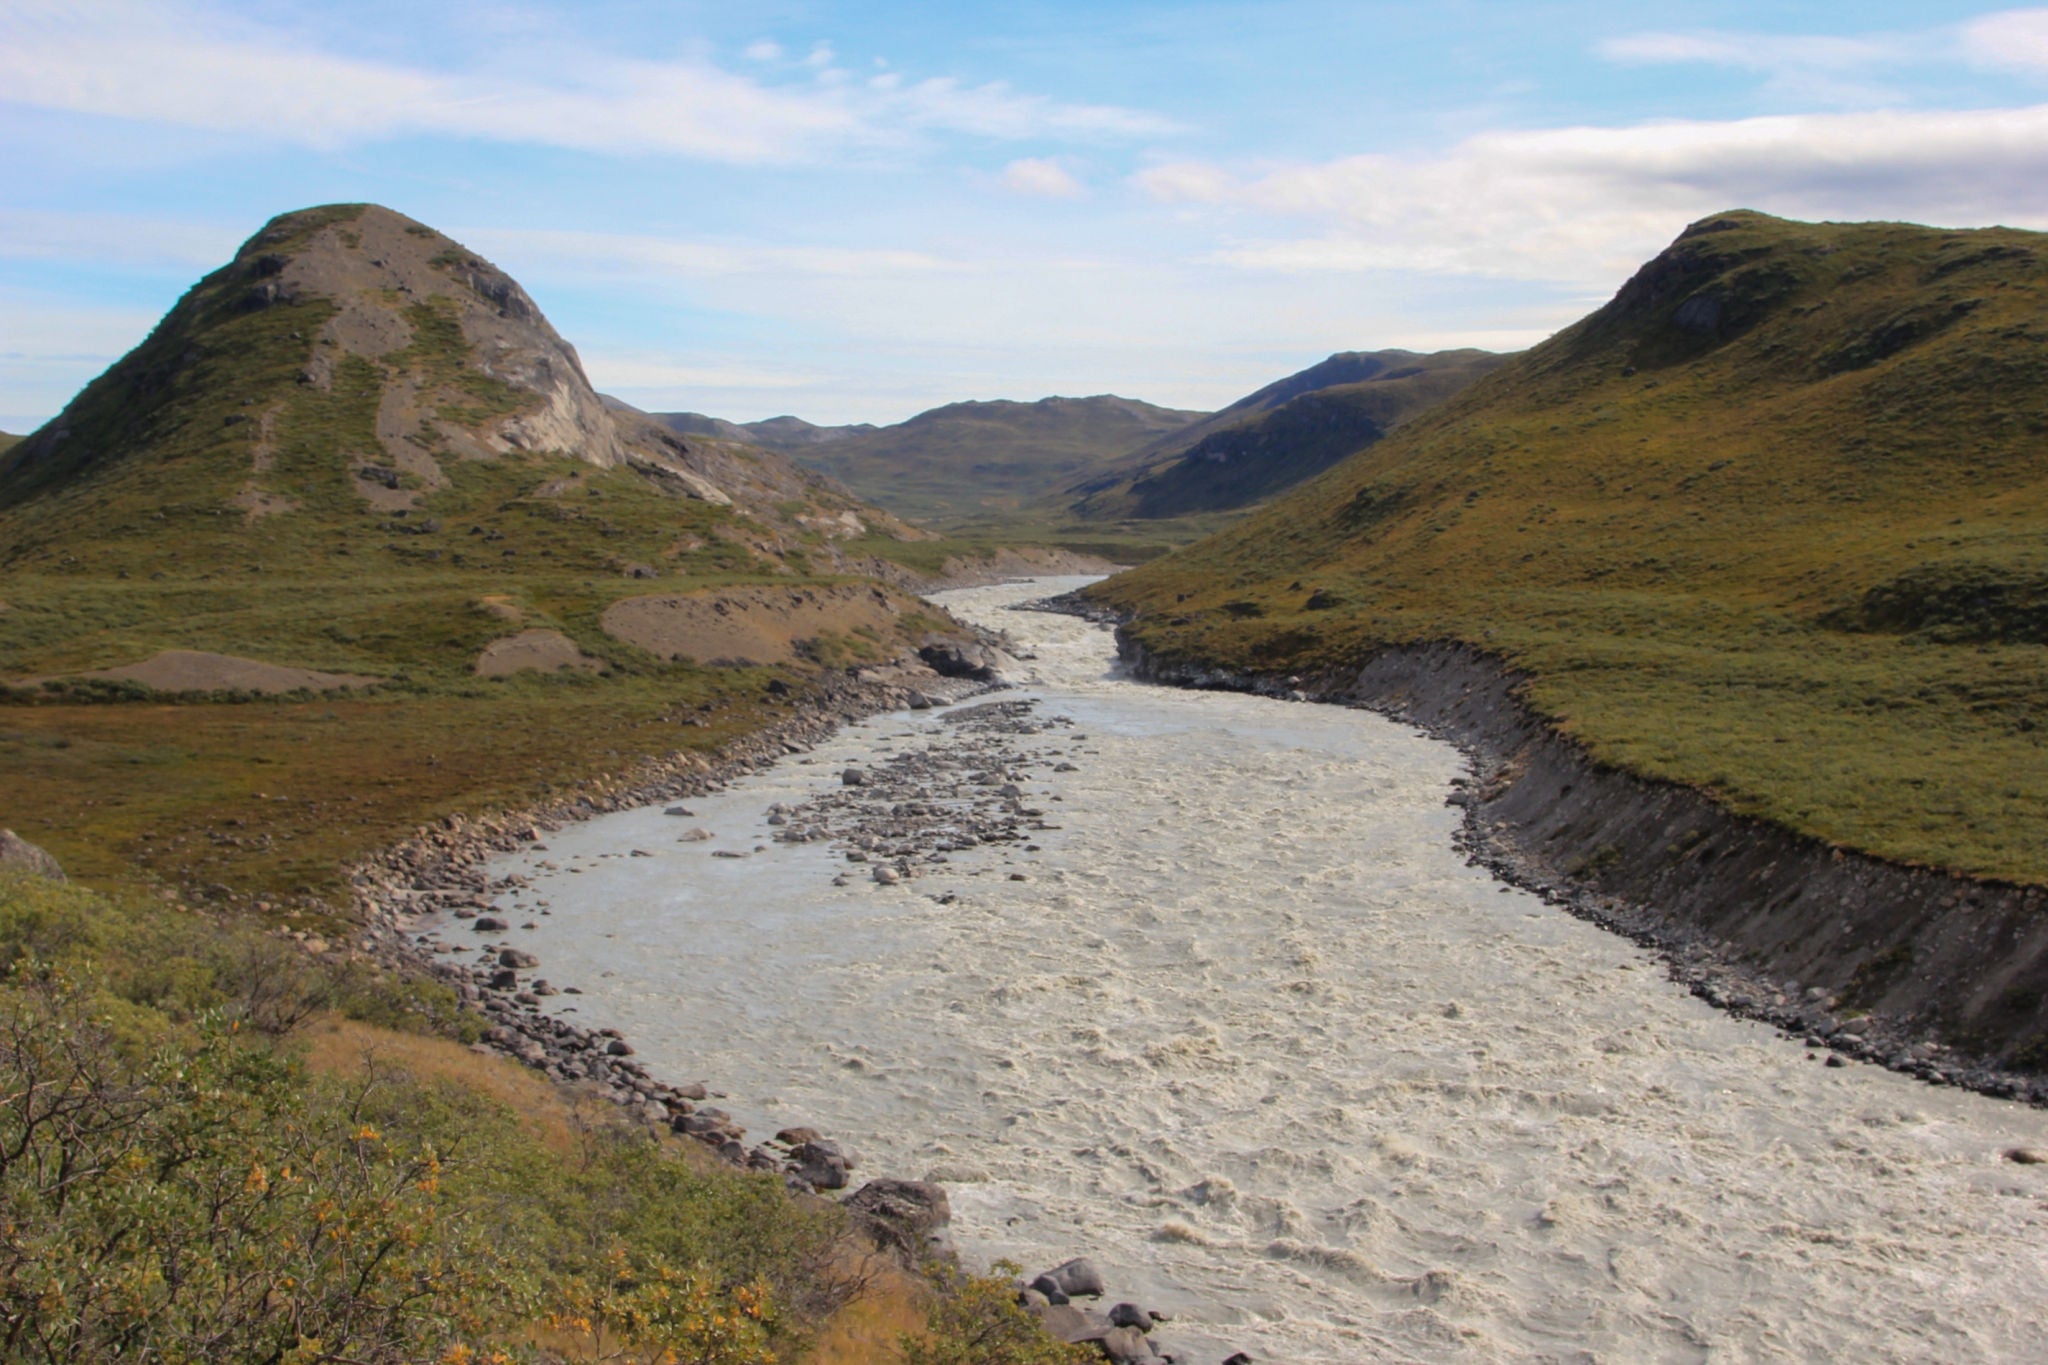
(1241,1025)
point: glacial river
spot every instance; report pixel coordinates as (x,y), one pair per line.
(1246,1030)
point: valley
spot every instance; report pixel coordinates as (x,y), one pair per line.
(346,595)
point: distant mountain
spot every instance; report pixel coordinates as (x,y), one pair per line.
(968,460)
(7,442)
(786,434)
(1284,433)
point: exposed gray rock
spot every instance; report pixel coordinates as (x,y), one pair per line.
(1078,1278)
(20,855)
(904,1212)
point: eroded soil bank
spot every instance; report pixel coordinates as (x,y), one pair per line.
(1928,972)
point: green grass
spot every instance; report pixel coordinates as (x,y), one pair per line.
(969,461)
(1794,560)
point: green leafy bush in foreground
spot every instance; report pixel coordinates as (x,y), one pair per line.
(177,1185)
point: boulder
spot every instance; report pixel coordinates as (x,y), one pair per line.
(1071,1323)
(958,659)
(906,1213)
(820,1166)
(22,856)
(489,924)
(1124,1345)
(514,957)
(1130,1315)
(1077,1279)
(854,777)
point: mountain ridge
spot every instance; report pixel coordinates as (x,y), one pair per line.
(1279,435)
(972,458)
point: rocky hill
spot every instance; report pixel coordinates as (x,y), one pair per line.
(358,461)
(1771,522)
(967,461)
(1284,433)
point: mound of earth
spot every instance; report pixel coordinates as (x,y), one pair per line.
(747,626)
(192,670)
(545,651)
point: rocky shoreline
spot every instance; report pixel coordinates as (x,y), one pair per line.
(888,819)
(1860,959)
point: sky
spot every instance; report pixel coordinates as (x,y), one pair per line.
(854,212)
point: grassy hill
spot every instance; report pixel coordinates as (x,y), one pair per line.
(7,442)
(1772,523)
(965,461)
(359,449)
(1284,433)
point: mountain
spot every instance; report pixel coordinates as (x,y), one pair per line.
(774,433)
(1280,435)
(351,363)
(1771,524)
(357,460)
(967,460)
(7,442)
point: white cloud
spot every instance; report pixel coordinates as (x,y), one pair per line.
(158,63)
(606,253)
(616,373)
(763,51)
(51,348)
(1042,178)
(2014,38)
(113,239)
(1759,51)
(1584,205)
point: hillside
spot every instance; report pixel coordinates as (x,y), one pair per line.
(1770,524)
(1286,432)
(969,460)
(7,442)
(773,433)
(358,460)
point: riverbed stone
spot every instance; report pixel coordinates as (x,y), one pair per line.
(904,1212)
(1077,1279)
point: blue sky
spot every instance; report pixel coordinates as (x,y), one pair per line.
(855,212)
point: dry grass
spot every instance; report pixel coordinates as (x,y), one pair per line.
(865,1332)
(348,1048)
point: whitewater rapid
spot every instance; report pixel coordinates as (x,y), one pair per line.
(1247,1030)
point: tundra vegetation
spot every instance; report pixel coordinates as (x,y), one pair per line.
(1769,524)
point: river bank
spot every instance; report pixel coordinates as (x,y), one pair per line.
(1249,1029)
(1923,971)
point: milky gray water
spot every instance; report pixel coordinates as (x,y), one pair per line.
(1251,1035)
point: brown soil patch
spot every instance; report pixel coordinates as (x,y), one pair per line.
(258,503)
(547,651)
(191,670)
(747,625)
(500,607)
